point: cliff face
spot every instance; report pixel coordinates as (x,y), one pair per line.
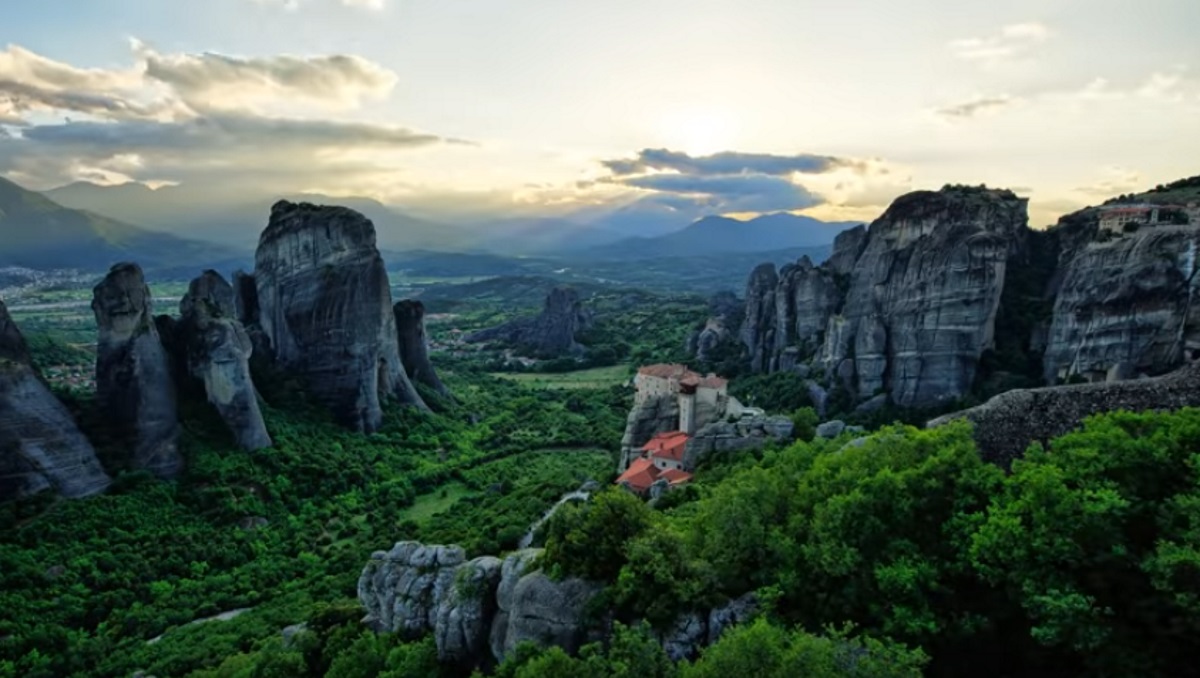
(414,345)
(133,374)
(1005,425)
(218,349)
(914,311)
(325,306)
(550,334)
(1130,303)
(41,448)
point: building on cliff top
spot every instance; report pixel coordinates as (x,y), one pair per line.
(702,399)
(661,463)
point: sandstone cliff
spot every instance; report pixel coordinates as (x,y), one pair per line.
(325,306)
(1128,302)
(134,383)
(414,345)
(907,306)
(218,349)
(1005,425)
(41,448)
(550,334)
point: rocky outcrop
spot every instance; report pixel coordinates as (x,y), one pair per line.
(325,306)
(134,384)
(473,606)
(704,342)
(656,414)
(1005,425)
(218,350)
(787,313)
(402,588)
(907,307)
(464,615)
(692,632)
(1129,302)
(746,433)
(247,311)
(548,612)
(414,345)
(41,448)
(551,334)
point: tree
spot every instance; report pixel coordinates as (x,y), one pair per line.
(588,540)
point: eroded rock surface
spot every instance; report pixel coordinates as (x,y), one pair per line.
(134,383)
(325,305)
(1005,425)
(41,448)
(550,334)
(218,351)
(1130,302)
(746,433)
(657,414)
(907,307)
(414,345)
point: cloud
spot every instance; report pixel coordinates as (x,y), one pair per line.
(728,162)
(365,4)
(729,193)
(206,117)
(1013,40)
(973,107)
(339,79)
(725,182)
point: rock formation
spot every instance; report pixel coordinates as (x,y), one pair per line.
(746,433)
(133,374)
(551,334)
(911,315)
(414,345)
(1130,302)
(471,606)
(656,414)
(704,342)
(41,447)
(325,306)
(480,610)
(217,350)
(1005,425)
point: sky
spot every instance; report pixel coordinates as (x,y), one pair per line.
(485,108)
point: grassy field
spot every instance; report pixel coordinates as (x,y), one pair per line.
(441,499)
(598,377)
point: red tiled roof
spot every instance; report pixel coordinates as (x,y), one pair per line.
(640,475)
(683,375)
(675,476)
(667,445)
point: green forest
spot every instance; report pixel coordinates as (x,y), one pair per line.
(896,554)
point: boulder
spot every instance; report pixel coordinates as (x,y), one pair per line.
(414,345)
(722,437)
(41,448)
(831,429)
(218,350)
(551,334)
(548,612)
(134,383)
(325,306)
(464,615)
(1006,425)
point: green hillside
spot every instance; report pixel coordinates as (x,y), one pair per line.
(37,232)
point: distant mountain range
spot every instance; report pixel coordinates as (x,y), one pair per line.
(36,232)
(190,213)
(722,235)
